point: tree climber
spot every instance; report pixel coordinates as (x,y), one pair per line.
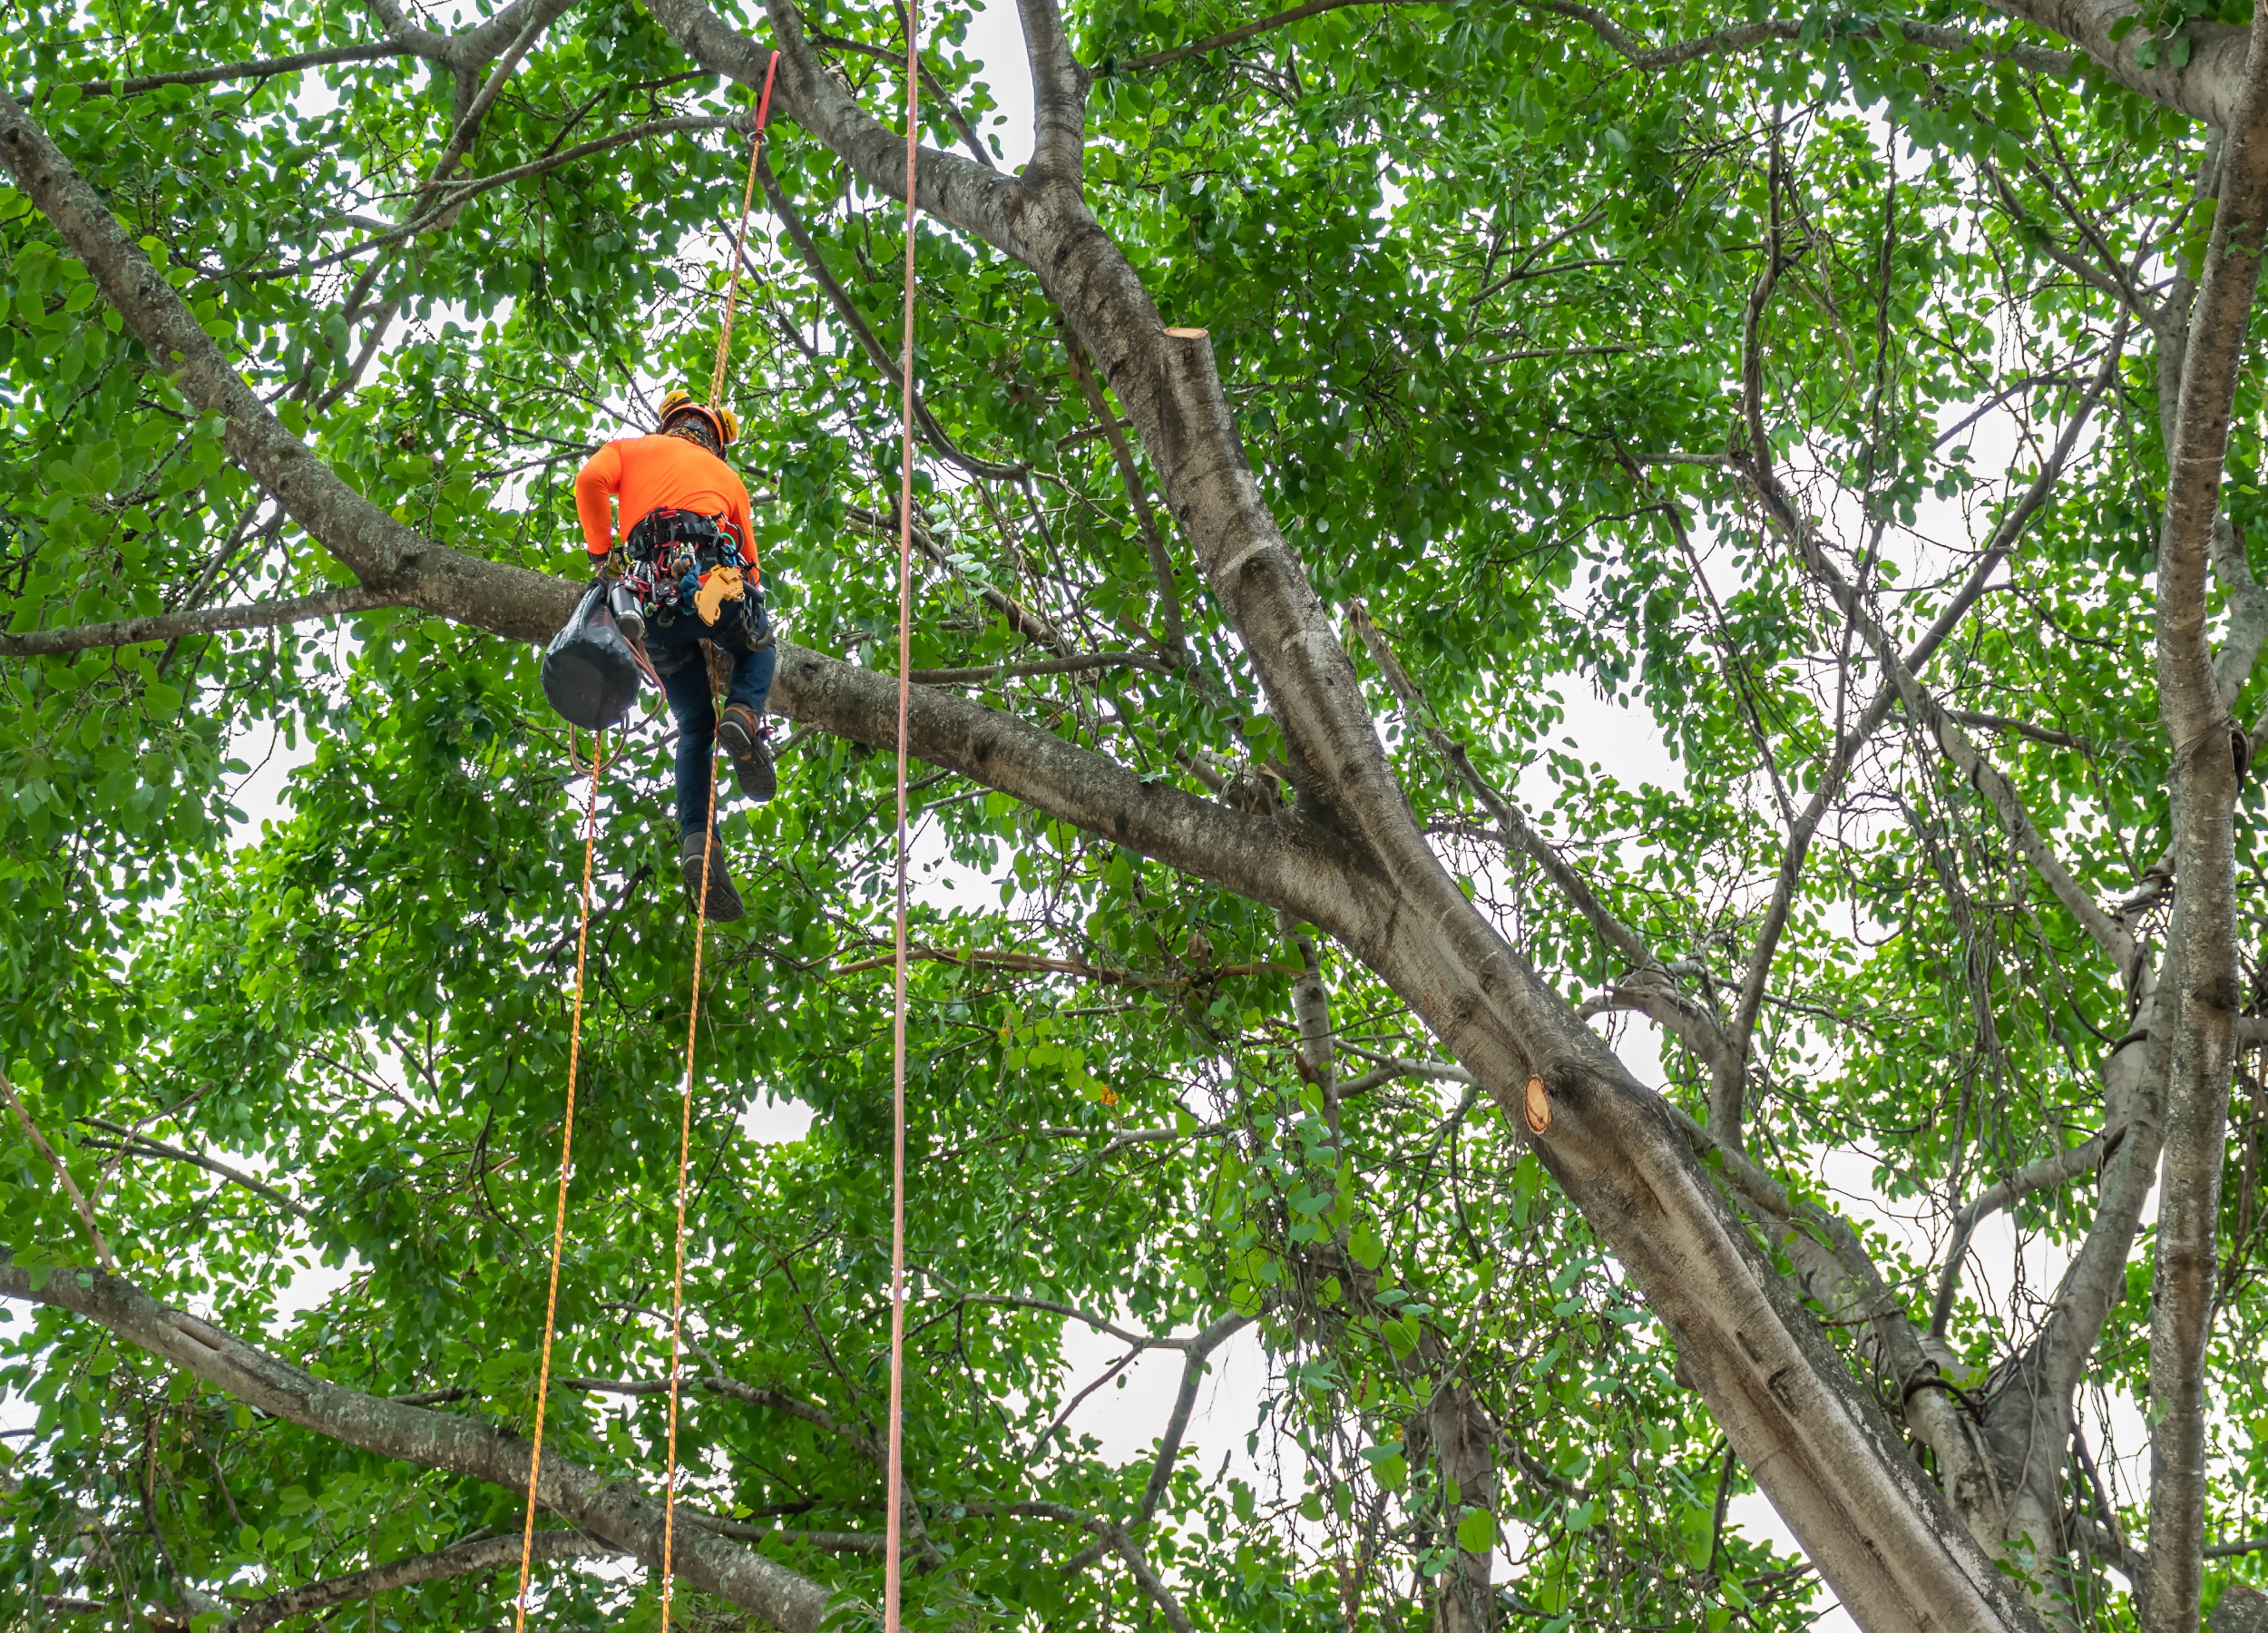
(687,572)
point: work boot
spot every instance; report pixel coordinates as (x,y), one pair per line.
(724,901)
(749,747)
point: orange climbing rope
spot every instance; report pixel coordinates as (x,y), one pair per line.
(890,1574)
(566,1146)
(740,239)
(700,918)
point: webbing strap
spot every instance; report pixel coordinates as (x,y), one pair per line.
(892,1539)
(566,1146)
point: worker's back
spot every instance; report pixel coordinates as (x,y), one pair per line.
(646,473)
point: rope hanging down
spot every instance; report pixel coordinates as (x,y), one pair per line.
(890,1577)
(700,918)
(566,1146)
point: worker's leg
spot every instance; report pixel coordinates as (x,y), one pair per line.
(694,712)
(678,659)
(744,735)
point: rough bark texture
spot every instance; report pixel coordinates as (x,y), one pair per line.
(459,1559)
(2202,986)
(605,1509)
(1352,860)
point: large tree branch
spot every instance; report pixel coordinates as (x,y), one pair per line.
(2201,976)
(954,190)
(599,1504)
(2207,86)
(1058,96)
(1773,31)
(173,626)
(458,1558)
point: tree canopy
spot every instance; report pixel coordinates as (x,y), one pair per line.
(1344,421)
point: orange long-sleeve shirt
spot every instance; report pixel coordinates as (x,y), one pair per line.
(645,473)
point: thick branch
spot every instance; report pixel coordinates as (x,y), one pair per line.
(599,1504)
(954,190)
(2201,971)
(2207,86)
(459,1559)
(1058,96)
(264,68)
(1238,36)
(173,626)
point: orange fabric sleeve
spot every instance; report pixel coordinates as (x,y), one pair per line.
(596,485)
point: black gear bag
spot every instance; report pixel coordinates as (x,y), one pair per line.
(590,671)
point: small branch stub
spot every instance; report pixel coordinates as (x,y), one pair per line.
(1536,1106)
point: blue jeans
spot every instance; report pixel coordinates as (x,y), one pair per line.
(675,649)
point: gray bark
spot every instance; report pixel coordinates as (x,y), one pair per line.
(606,1509)
(1357,866)
(2202,984)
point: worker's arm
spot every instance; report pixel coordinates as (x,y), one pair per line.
(741,521)
(596,485)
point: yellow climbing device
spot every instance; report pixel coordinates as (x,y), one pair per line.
(719,585)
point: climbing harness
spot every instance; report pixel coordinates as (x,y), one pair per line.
(906,698)
(682,562)
(566,1146)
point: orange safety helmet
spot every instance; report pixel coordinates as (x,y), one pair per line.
(680,403)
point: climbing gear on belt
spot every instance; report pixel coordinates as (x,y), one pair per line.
(749,747)
(671,554)
(718,586)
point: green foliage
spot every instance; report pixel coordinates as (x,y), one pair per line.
(1476,288)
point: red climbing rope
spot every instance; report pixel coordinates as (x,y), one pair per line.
(890,1575)
(566,1146)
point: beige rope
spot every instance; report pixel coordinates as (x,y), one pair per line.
(566,1145)
(891,1541)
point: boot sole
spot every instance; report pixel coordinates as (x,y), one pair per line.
(724,901)
(754,775)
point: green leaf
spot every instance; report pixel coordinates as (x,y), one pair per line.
(1476,1531)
